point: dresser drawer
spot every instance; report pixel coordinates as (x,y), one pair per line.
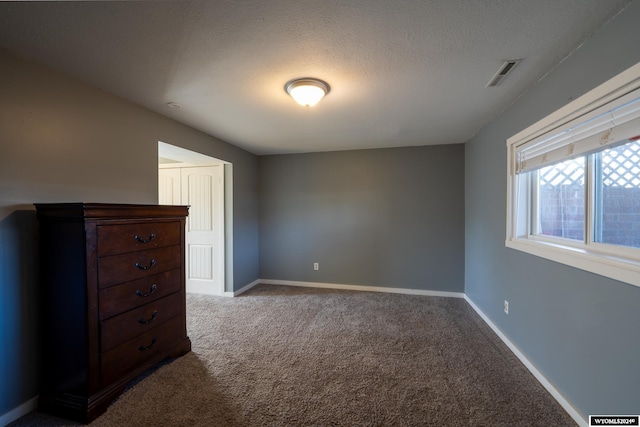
(141,348)
(124,297)
(136,265)
(123,238)
(121,328)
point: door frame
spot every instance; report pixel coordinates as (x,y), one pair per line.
(171,156)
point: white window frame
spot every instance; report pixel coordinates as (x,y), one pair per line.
(616,262)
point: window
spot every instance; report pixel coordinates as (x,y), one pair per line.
(574,182)
(559,210)
(617,195)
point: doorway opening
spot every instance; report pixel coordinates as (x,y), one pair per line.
(206,185)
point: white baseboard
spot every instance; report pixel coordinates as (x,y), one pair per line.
(530,366)
(363,288)
(204,291)
(18,412)
(243,289)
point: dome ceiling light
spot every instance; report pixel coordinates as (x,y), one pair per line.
(307,91)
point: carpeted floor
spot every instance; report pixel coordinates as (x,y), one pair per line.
(284,356)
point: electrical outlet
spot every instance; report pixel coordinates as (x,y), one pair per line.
(506,307)
(316,266)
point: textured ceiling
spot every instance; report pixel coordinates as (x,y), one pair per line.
(402,72)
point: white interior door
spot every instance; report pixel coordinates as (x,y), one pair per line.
(202,188)
(169,187)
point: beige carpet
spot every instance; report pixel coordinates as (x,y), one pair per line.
(284,356)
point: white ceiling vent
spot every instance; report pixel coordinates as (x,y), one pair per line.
(506,68)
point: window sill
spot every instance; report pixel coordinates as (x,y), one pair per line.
(617,268)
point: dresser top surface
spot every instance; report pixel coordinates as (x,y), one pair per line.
(84,210)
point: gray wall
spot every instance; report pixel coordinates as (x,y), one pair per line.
(386,217)
(581,330)
(64,141)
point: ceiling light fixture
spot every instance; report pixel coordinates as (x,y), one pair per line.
(307,91)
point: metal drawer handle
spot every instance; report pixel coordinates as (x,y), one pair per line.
(143,240)
(146,267)
(143,294)
(147,347)
(146,322)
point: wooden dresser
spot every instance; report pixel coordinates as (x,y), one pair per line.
(112,300)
